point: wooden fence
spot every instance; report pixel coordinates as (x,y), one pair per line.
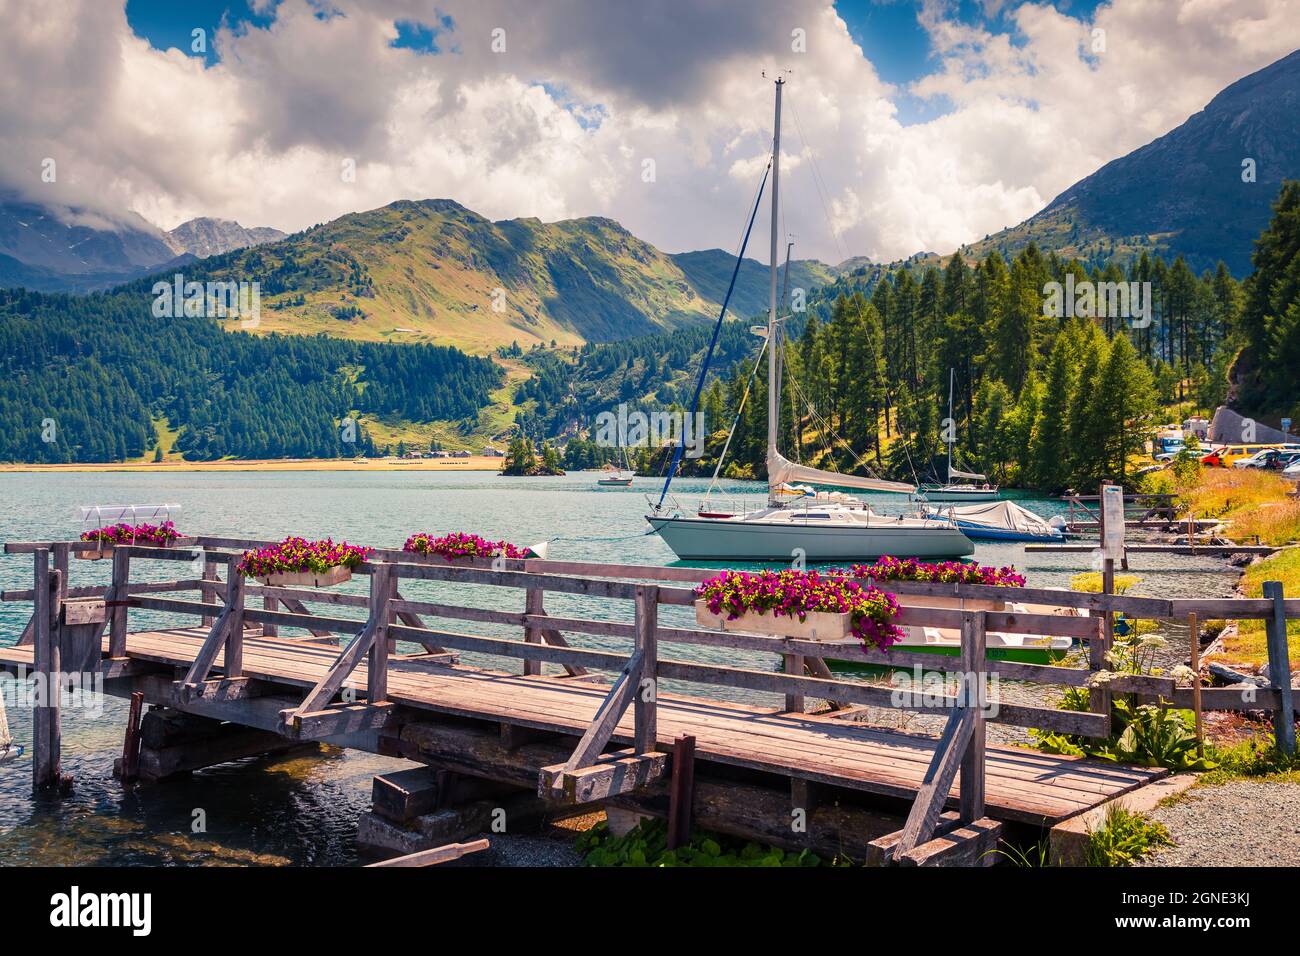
(68,625)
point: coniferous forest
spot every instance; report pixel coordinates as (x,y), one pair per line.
(85,378)
(1039,400)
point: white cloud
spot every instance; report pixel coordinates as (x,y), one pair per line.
(562,123)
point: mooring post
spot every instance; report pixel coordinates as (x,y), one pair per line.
(233,661)
(973,643)
(1279,669)
(682,793)
(645,709)
(47,737)
(131,741)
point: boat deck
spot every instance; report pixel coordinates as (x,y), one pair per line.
(1022,785)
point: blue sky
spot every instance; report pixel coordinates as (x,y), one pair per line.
(887,31)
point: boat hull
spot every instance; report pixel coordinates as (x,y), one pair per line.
(1021,655)
(982,532)
(614,482)
(713,539)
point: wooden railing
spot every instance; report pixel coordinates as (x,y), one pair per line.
(65,618)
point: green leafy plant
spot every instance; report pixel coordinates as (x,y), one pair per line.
(1253,759)
(647,845)
(1153,735)
(1124,838)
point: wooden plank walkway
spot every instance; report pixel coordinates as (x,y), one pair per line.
(1022,785)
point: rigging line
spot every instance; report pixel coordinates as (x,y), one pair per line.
(819,182)
(736,421)
(680,450)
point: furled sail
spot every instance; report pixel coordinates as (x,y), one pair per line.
(954,473)
(781,469)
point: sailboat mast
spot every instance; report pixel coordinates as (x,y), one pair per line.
(773,398)
(950,424)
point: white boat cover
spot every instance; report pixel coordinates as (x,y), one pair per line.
(780,470)
(1000,514)
(970,475)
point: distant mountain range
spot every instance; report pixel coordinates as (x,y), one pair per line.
(204,237)
(1187,193)
(54,248)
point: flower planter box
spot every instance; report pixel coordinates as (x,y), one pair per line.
(312,579)
(816,625)
(95,551)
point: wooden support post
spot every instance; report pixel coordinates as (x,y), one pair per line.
(645,704)
(209,596)
(1279,669)
(1099,646)
(130,768)
(1194,636)
(381,591)
(270,603)
(794,665)
(46,725)
(233,660)
(973,641)
(682,794)
(533,604)
(117,618)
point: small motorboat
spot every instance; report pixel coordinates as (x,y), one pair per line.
(1001,521)
(946,642)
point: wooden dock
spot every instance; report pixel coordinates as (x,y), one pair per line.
(251,679)
(1022,785)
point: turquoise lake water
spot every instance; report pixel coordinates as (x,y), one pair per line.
(303,810)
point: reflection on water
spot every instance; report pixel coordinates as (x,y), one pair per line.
(303,809)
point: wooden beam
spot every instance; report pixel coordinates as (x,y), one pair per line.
(207,655)
(442,854)
(610,775)
(1279,669)
(382,586)
(645,706)
(938,779)
(970,844)
(533,605)
(973,648)
(608,714)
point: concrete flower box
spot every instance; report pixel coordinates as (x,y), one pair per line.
(816,625)
(95,551)
(311,579)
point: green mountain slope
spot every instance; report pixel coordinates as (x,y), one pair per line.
(435,271)
(1184,193)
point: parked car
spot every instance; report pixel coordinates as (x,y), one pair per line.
(1261,459)
(1226,456)
(1292,470)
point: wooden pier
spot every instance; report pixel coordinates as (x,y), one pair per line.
(599,729)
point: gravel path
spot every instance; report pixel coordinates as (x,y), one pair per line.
(1236,824)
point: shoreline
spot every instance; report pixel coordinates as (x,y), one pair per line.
(478,463)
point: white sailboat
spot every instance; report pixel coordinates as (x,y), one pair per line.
(955,490)
(819,527)
(620,477)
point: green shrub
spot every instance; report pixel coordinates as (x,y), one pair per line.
(1124,838)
